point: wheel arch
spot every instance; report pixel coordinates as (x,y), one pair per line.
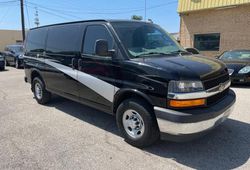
(35,73)
(124,94)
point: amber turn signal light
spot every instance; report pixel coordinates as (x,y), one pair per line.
(187,103)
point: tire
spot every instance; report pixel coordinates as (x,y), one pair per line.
(128,112)
(17,64)
(42,96)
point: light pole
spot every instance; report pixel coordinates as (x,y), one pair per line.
(22,19)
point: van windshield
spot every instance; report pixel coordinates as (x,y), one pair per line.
(145,39)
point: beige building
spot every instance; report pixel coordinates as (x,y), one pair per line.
(8,37)
(214,26)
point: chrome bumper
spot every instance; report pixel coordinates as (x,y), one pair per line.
(176,128)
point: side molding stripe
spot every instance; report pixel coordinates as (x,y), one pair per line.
(101,87)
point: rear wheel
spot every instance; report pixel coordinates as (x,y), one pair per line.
(137,123)
(42,96)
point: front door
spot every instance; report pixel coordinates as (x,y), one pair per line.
(97,73)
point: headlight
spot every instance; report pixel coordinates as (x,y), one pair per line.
(185,86)
(245,70)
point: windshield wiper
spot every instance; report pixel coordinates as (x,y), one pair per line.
(181,52)
(152,53)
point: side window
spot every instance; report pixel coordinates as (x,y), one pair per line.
(64,39)
(94,33)
(35,41)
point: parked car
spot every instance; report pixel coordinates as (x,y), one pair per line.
(152,85)
(14,55)
(238,63)
(2,62)
(192,50)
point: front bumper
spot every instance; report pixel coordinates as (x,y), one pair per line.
(189,123)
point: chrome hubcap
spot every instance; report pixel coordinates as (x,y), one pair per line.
(133,124)
(38,91)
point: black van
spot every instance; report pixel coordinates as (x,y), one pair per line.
(133,70)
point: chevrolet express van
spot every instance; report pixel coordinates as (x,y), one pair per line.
(133,70)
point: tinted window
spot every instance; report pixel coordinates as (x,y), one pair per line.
(64,39)
(35,41)
(16,49)
(207,42)
(94,33)
(236,55)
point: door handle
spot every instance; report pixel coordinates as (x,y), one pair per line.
(80,64)
(74,63)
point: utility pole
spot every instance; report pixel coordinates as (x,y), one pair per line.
(22,20)
(36,18)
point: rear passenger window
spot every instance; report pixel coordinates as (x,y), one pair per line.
(35,41)
(64,39)
(94,33)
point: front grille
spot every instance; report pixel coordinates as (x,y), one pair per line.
(216,98)
(213,82)
(216,81)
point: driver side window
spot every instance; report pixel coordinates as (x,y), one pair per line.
(94,33)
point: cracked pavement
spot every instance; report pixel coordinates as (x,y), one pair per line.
(68,135)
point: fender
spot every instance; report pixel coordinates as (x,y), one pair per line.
(121,94)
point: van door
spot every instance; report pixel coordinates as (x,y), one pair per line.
(62,48)
(96,73)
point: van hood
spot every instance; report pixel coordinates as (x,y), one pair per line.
(189,67)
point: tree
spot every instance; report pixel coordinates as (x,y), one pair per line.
(136,17)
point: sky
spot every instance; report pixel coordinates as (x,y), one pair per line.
(162,12)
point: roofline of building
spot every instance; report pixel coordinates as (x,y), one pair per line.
(9,30)
(213,8)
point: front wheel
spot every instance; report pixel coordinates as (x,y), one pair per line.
(42,96)
(137,123)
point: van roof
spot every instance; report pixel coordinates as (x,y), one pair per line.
(96,20)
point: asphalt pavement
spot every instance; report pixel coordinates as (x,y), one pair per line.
(68,135)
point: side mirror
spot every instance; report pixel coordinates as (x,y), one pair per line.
(101,48)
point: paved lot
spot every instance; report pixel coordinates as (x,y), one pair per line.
(67,135)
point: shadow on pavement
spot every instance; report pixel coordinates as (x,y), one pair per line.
(246,86)
(226,147)
(4,70)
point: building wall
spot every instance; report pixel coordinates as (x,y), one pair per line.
(8,37)
(233,24)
